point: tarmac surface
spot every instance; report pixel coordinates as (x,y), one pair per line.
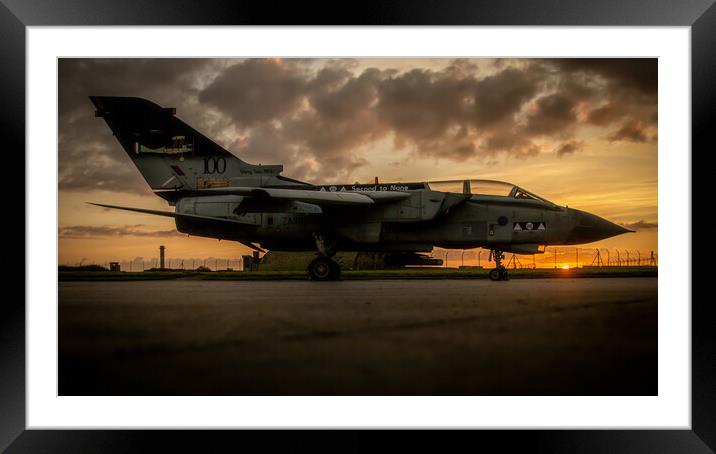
(414,337)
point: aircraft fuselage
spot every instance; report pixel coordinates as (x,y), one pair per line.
(418,223)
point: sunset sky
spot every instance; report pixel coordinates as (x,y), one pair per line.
(578,132)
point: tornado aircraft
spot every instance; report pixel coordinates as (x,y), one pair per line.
(217,195)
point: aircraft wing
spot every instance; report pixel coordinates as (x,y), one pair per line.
(252,246)
(170,214)
(316,197)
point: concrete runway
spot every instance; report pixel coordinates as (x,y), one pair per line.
(392,337)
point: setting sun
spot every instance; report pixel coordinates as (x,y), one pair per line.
(565,267)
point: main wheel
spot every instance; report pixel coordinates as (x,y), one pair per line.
(495,274)
(323,269)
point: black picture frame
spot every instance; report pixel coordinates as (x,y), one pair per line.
(16,15)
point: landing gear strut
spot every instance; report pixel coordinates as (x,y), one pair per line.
(322,268)
(499,273)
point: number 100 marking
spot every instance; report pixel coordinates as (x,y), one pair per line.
(216,164)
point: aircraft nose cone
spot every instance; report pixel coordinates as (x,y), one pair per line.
(589,227)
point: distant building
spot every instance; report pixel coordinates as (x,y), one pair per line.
(251,262)
(298,261)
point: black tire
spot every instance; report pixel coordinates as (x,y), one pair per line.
(323,269)
(495,274)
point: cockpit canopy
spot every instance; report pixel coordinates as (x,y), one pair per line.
(485,187)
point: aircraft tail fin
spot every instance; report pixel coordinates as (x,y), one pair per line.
(169,153)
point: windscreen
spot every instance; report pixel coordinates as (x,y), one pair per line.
(475,187)
(489,187)
(520,193)
(484,187)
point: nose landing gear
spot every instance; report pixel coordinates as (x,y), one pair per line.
(499,273)
(322,268)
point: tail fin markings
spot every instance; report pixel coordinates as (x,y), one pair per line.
(169,153)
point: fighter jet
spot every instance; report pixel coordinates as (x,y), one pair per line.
(217,195)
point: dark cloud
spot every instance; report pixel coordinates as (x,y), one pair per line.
(352,97)
(454,113)
(93,164)
(499,97)
(105,231)
(631,131)
(420,106)
(606,114)
(554,114)
(335,123)
(640,225)
(635,121)
(167,78)
(317,116)
(569,148)
(257,90)
(518,145)
(627,76)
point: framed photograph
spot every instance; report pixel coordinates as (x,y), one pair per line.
(468,218)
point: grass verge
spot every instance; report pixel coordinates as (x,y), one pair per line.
(409,273)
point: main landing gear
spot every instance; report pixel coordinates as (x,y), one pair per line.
(322,268)
(499,273)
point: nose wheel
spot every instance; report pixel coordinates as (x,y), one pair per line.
(499,273)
